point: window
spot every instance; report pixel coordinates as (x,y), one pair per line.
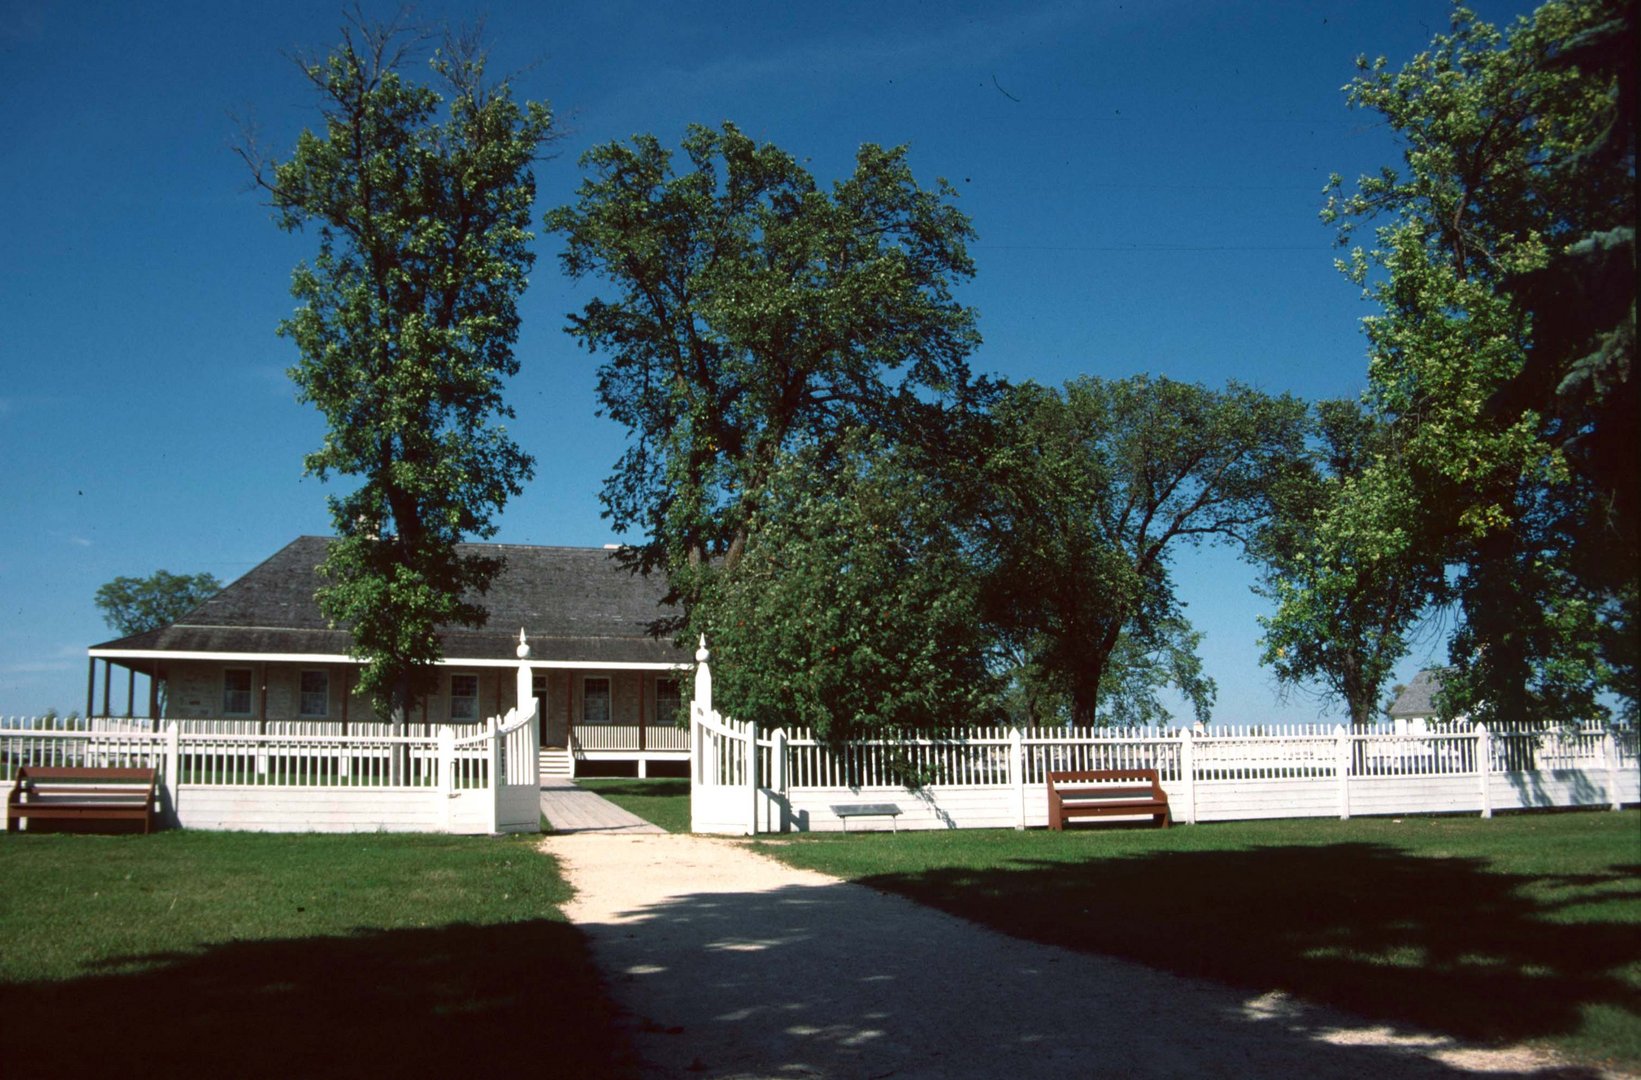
(236,692)
(595,700)
(313,694)
(464,698)
(668,701)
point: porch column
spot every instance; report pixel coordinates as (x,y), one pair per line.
(108,674)
(90,684)
(130,693)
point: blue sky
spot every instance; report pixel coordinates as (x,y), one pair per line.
(1144,178)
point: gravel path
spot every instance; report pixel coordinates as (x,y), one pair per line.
(728,964)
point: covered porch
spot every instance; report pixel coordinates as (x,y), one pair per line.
(612,712)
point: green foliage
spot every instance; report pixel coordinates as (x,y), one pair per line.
(1087,493)
(1346,600)
(1153,654)
(753,314)
(1503,358)
(51,720)
(408,315)
(855,609)
(136,605)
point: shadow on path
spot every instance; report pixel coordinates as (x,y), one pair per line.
(816,978)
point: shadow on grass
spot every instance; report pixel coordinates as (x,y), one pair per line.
(1443,943)
(448,1001)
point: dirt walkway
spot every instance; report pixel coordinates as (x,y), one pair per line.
(729,964)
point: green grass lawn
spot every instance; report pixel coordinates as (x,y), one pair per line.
(663,801)
(1525,927)
(241,954)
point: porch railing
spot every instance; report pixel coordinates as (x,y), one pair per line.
(631,737)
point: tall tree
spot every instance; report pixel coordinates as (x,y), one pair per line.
(855,607)
(1505,269)
(421,195)
(136,605)
(753,314)
(1090,491)
(1346,602)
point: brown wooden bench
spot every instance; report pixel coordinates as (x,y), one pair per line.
(1106,793)
(82,794)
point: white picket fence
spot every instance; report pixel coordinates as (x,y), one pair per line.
(745,781)
(307,781)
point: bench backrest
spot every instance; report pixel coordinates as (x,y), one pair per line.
(1094,776)
(36,781)
(76,773)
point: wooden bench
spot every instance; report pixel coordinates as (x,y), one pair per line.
(850,810)
(1106,793)
(82,794)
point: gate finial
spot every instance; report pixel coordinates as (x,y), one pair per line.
(703,676)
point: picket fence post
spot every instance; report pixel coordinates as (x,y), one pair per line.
(1609,752)
(1342,767)
(1484,768)
(1188,773)
(1017,775)
(173,768)
(751,778)
(445,789)
(778,781)
(492,750)
(703,677)
(701,769)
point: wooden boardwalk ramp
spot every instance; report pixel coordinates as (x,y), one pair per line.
(570,809)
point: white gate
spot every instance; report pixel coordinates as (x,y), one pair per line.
(723,763)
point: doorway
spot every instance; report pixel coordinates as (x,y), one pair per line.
(555,731)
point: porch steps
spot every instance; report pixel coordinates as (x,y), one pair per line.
(554,762)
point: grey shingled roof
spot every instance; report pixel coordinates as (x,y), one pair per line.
(1418,698)
(576,604)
